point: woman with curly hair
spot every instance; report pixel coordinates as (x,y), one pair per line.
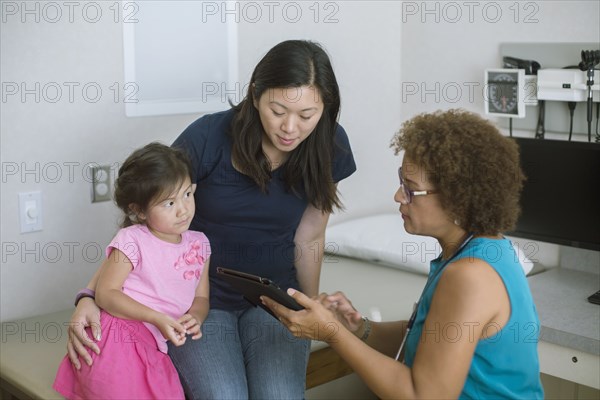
(474,331)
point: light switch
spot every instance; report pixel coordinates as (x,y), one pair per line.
(30,211)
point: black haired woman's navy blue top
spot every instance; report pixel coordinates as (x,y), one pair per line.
(249,230)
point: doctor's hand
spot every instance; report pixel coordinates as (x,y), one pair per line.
(344,310)
(317,321)
(87,314)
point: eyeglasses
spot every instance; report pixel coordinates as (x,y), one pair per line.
(409,194)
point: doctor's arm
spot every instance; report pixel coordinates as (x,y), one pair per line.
(440,366)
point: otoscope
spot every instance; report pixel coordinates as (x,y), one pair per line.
(589,59)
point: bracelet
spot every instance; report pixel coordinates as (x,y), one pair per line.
(85,292)
(367,331)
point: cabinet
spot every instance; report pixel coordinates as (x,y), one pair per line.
(569,346)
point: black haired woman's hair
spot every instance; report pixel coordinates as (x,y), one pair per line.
(293,63)
(148,175)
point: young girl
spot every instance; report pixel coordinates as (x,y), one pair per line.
(153,289)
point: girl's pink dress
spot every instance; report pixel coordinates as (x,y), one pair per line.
(129,366)
(133,361)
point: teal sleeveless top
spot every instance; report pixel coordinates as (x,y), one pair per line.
(506,364)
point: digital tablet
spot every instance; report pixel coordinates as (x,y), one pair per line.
(252,287)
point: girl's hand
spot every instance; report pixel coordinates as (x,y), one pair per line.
(87,314)
(172,330)
(191,325)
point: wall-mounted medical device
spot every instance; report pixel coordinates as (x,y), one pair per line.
(505,92)
(562,85)
(523,82)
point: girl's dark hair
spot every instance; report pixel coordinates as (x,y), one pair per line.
(293,63)
(147,175)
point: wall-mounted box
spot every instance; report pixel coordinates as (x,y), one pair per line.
(562,85)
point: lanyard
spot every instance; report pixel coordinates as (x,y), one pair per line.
(413,316)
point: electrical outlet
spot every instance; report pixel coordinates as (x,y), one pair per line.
(101,185)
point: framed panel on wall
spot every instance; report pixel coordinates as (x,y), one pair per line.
(177,59)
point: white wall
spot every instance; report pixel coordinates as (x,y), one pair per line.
(48,141)
(46,145)
(455,54)
(364,45)
(57,138)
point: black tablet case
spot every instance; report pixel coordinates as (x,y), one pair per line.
(252,287)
